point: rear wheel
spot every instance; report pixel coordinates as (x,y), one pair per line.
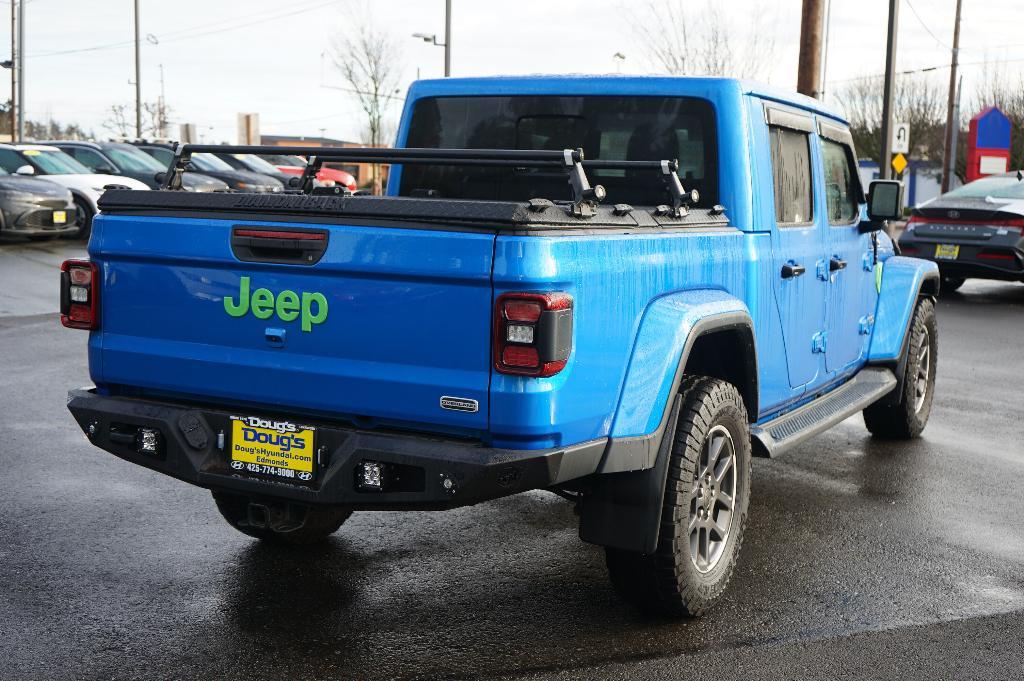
(907,418)
(279,522)
(705,508)
(950,284)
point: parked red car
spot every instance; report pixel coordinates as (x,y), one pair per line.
(294,165)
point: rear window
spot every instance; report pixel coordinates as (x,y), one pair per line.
(996,187)
(607,128)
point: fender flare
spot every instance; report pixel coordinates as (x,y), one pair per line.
(904,281)
(621,508)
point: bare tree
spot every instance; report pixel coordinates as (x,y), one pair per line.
(117,120)
(369,60)
(695,38)
(919,101)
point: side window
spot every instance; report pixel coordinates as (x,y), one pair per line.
(840,183)
(791,167)
(11,160)
(89,158)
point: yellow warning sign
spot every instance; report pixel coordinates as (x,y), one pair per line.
(899,163)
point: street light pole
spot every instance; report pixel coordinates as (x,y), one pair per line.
(138,78)
(14,69)
(447,38)
(21,70)
(885,167)
(951,124)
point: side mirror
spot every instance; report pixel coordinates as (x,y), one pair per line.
(884,200)
(105,170)
(25,170)
(160,176)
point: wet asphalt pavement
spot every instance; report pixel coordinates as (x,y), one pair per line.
(862,559)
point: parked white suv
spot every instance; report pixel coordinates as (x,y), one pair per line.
(86,187)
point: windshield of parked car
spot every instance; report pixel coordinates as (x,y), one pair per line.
(54,162)
(210,162)
(606,127)
(255,163)
(995,186)
(131,160)
(284,160)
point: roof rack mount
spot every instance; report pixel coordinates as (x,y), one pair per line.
(585,198)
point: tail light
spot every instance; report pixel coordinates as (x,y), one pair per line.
(532,333)
(79,295)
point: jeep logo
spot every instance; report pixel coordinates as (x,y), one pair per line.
(311,308)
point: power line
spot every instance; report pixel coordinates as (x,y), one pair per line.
(907,72)
(203,30)
(925,26)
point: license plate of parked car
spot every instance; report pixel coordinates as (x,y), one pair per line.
(278,448)
(947,251)
(60,217)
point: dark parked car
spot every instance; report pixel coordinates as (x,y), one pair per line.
(973,232)
(34,208)
(119,158)
(209,164)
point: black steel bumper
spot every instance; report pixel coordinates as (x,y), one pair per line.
(438,473)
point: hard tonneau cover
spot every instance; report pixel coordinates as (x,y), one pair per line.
(536,215)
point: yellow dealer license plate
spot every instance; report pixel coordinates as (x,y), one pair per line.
(277,448)
(60,217)
(947,251)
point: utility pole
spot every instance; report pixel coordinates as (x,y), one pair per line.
(824,50)
(14,70)
(21,70)
(951,123)
(885,166)
(138,78)
(951,157)
(809,69)
(161,109)
(447,38)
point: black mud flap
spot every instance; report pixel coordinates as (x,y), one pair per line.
(623,510)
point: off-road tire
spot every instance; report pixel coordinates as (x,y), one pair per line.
(951,284)
(907,418)
(668,581)
(319,524)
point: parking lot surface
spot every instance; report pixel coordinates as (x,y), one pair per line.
(862,558)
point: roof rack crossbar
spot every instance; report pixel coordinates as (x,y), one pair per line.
(585,197)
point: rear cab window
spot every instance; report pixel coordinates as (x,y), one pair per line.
(792,179)
(606,127)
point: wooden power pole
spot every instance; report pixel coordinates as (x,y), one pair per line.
(951,122)
(808,78)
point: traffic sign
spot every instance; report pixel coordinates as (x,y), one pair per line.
(899,163)
(901,139)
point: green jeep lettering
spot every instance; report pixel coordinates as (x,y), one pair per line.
(286,305)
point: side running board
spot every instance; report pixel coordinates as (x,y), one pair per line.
(792,428)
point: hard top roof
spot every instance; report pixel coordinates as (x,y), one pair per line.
(612,84)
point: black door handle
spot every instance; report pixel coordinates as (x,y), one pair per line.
(792,270)
(836,264)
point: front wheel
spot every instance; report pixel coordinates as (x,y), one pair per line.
(907,418)
(705,508)
(83,219)
(279,522)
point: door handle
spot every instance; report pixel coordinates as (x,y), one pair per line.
(790,270)
(836,264)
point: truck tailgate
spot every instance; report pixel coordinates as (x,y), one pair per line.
(404,319)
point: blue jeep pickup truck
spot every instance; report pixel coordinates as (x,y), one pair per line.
(616,289)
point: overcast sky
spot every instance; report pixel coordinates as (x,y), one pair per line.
(225,56)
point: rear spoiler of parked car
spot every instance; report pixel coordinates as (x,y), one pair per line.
(585,198)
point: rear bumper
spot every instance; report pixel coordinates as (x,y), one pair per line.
(191,452)
(999,257)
